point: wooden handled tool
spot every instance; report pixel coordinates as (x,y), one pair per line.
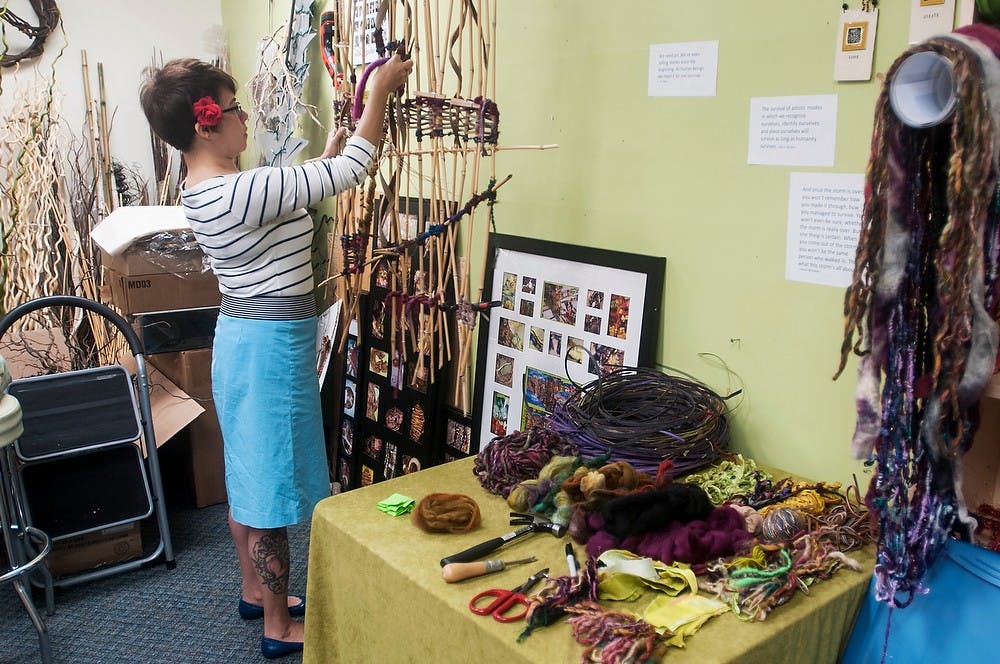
(453,572)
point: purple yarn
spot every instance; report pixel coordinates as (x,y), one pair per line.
(509,460)
(358,106)
(540,490)
(723,533)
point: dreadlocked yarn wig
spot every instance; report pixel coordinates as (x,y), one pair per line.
(922,308)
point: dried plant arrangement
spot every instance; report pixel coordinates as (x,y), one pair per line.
(33,201)
(49,202)
(276,87)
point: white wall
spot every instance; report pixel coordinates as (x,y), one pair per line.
(121,34)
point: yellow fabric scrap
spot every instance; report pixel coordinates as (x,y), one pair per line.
(682,616)
(626,576)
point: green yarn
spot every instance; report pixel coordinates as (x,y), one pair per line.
(559,466)
(556,470)
(521,496)
(727,478)
(750,575)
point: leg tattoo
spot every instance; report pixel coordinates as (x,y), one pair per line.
(270,559)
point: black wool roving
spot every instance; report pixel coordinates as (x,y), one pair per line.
(642,512)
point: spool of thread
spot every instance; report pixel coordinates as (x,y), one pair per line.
(446,513)
(783,524)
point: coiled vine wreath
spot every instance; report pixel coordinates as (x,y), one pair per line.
(48,20)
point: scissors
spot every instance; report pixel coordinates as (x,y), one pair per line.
(505,600)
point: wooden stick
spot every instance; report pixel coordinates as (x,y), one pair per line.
(109,187)
(379,253)
(472,149)
(92,130)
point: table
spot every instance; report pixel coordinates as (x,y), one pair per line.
(375,592)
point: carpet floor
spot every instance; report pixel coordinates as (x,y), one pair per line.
(155,615)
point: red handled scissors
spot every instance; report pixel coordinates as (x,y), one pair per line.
(505,600)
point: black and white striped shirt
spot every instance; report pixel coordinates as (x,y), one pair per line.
(253,225)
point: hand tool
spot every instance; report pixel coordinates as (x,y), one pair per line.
(505,600)
(534,524)
(457,571)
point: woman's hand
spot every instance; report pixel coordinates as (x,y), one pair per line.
(392,75)
(335,142)
(388,78)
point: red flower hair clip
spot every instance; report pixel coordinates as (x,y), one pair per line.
(207,112)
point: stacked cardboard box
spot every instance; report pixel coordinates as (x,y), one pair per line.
(139,283)
(95,549)
(152,262)
(155,274)
(191,370)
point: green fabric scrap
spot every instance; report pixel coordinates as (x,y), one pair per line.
(397,504)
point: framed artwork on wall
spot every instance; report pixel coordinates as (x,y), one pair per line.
(395,414)
(567,315)
(346,472)
(456,430)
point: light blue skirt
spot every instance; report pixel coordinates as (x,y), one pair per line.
(267,399)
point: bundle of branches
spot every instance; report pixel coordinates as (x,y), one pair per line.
(46,215)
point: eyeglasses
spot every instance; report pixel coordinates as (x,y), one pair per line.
(235,107)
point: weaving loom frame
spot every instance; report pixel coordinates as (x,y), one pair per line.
(569,262)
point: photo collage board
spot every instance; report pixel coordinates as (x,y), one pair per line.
(567,315)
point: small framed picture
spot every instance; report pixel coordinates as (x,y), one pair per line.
(458,435)
(855,37)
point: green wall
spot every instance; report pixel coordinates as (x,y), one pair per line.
(668,177)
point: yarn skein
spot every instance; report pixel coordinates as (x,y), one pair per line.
(526,495)
(509,460)
(643,511)
(446,513)
(614,636)
(783,524)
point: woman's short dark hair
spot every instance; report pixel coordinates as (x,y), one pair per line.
(168,95)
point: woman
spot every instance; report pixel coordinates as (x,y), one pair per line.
(255,230)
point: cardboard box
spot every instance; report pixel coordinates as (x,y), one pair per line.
(97,549)
(981,464)
(130,223)
(144,293)
(152,262)
(191,370)
(188,261)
